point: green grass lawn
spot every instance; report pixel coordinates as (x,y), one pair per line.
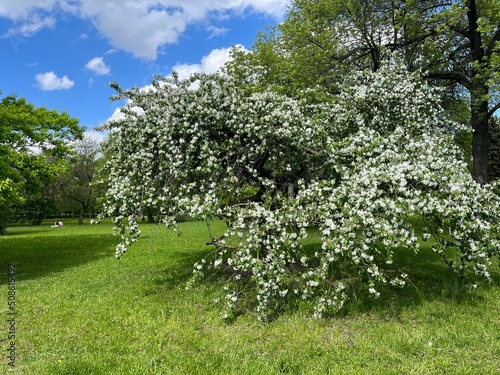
(81,311)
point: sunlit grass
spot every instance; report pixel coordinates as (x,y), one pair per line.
(81,311)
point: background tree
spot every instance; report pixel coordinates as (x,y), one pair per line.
(494,157)
(462,46)
(455,44)
(78,183)
(34,207)
(34,145)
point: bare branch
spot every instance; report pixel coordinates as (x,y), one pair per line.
(491,46)
(493,110)
(449,76)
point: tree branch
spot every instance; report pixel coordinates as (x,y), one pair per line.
(493,110)
(449,76)
(409,42)
(491,46)
(316,43)
(464,32)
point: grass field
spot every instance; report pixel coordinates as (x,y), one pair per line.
(81,311)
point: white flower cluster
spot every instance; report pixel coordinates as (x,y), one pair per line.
(363,168)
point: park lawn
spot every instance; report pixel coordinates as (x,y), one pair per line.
(81,311)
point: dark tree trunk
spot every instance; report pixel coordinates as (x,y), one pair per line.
(151,218)
(480,137)
(479,100)
(85,206)
(494,149)
(82,214)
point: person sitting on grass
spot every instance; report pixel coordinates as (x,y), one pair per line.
(57,224)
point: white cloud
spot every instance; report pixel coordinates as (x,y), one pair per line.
(34,25)
(50,81)
(16,9)
(217,31)
(209,63)
(118,115)
(95,135)
(141,27)
(137,30)
(82,38)
(98,66)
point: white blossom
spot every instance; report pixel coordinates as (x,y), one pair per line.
(362,167)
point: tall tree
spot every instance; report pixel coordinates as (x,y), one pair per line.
(77,184)
(494,155)
(462,46)
(34,144)
(455,43)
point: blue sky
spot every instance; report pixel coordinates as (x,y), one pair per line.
(62,54)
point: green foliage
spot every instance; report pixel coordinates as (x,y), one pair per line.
(33,148)
(34,207)
(75,189)
(454,44)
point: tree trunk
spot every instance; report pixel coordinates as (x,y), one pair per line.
(480,137)
(85,205)
(494,149)
(479,91)
(151,218)
(82,214)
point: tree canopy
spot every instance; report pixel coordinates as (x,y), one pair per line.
(454,44)
(33,147)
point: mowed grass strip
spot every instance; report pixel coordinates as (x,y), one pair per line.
(81,311)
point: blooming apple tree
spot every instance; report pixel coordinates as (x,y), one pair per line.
(362,167)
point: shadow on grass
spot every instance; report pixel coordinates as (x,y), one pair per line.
(42,251)
(429,280)
(180,271)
